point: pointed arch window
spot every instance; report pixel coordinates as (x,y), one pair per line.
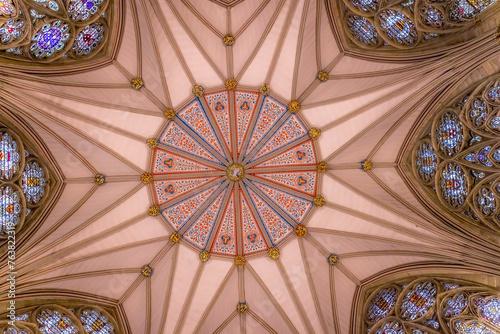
(27,183)
(386,25)
(458,157)
(432,305)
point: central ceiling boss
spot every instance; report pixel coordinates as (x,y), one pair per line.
(235,172)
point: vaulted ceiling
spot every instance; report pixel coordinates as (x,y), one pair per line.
(97,237)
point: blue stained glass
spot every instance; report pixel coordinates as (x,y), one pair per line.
(426,161)
(432,16)
(398,27)
(486,201)
(454,185)
(363,30)
(479,113)
(9,156)
(418,300)
(382,304)
(494,94)
(454,305)
(10,208)
(495,122)
(95,323)
(480,157)
(53,322)
(11,30)
(489,309)
(473,327)
(449,133)
(391,328)
(33,182)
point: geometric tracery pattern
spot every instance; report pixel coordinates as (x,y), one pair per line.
(56,319)
(52,30)
(432,306)
(24,182)
(459,155)
(407,24)
(278,183)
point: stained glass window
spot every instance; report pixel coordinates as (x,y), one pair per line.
(58,319)
(206,178)
(62,32)
(407,24)
(458,157)
(432,306)
(23,182)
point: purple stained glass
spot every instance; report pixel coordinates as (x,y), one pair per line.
(382,304)
(50,38)
(418,300)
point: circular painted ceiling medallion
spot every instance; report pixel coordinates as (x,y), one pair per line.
(234,172)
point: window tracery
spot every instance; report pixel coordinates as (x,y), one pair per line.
(458,157)
(24,182)
(408,23)
(432,306)
(52,30)
(57,319)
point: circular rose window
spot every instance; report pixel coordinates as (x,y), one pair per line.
(234,172)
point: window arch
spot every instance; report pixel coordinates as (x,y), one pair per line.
(27,182)
(432,305)
(408,24)
(457,159)
(72,318)
(54,31)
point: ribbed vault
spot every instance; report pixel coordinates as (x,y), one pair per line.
(99,236)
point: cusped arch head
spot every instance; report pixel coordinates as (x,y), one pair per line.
(30,180)
(408,29)
(55,36)
(428,299)
(452,158)
(63,311)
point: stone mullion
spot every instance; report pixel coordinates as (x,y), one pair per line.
(224,205)
(257,217)
(244,145)
(279,151)
(189,155)
(200,140)
(280,187)
(268,135)
(205,205)
(273,205)
(188,194)
(239,232)
(218,134)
